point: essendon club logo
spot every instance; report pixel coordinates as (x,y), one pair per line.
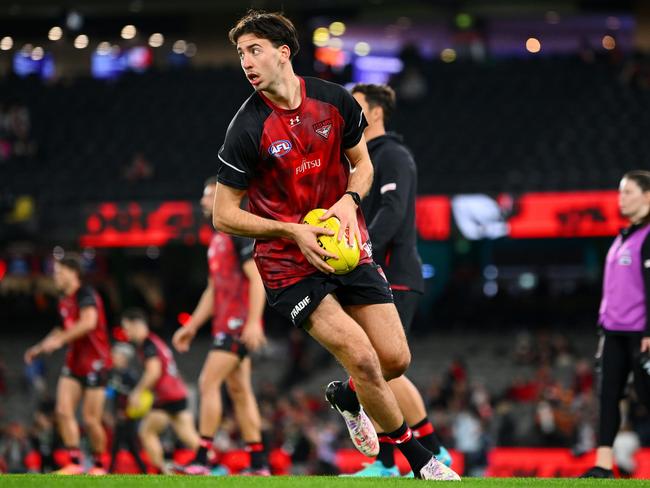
(323,128)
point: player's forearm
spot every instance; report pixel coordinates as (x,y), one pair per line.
(54,332)
(80,329)
(203,311)
(256,301)
(150,375)
(242,223)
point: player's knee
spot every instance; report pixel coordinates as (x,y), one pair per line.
(365,365)
(396,366)
(236,390)
(63,414)
(208,385)
(91,421)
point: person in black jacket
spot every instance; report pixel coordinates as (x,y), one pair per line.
(389,210)
(121,382)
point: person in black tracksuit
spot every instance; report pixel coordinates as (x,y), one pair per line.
(121,381)
(624,317)
(389,210)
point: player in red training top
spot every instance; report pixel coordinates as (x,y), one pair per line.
(297,144)
(160,375)
(87,363)
(235,299)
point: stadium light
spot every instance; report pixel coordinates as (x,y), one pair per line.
(321,36)
(362,48)
(55,33)
(156,39)
(448,55)
(533,45)
(37,53)
(6,43)
(81,41)
(337,28)
(128,32)
(179,46)
(609,42)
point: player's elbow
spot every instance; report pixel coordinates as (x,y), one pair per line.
(218,221)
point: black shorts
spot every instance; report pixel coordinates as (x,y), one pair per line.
(229,343)
(406,302)
(172,408)
(365,285)
(94,379)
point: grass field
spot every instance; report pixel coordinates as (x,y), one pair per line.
(121,481)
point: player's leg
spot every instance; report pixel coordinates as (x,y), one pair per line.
(152,425)
(247,413)
(218,365)
(91,414)
(383,327)
(347,341)
(183,425)
(68,396)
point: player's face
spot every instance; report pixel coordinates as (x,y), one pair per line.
(134,330)
(260,60)
(632,200)
(207,200)
(62,276)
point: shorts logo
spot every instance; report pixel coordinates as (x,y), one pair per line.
(299,307)
(323,128)
(235,323)
(279,148)
(306,166)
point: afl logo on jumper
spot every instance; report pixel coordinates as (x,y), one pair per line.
(625,259)
(279,148)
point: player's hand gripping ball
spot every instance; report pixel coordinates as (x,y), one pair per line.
(348,256)
(146,402)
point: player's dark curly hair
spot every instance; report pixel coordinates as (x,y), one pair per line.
(74,262)
(135,313)
(272,26)
(641,178)
(378,96)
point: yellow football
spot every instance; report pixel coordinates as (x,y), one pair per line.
(348,256)
(146,402)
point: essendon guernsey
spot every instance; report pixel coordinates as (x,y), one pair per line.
(290,162)
(170,386)
(226,255)
(91,352)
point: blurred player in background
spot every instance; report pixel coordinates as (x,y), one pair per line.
(87,363)
(390,210)
(291,147)
(235,300)
(161,376)
(122,381)
(624,317)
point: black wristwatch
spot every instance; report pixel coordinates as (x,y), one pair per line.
(355,196)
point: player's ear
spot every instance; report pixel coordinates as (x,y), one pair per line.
(285,53)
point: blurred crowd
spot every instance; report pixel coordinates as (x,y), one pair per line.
(16,141)
(548,401)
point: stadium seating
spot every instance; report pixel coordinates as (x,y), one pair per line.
(519,125)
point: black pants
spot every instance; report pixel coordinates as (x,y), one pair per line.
(126,432)
(620,357)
